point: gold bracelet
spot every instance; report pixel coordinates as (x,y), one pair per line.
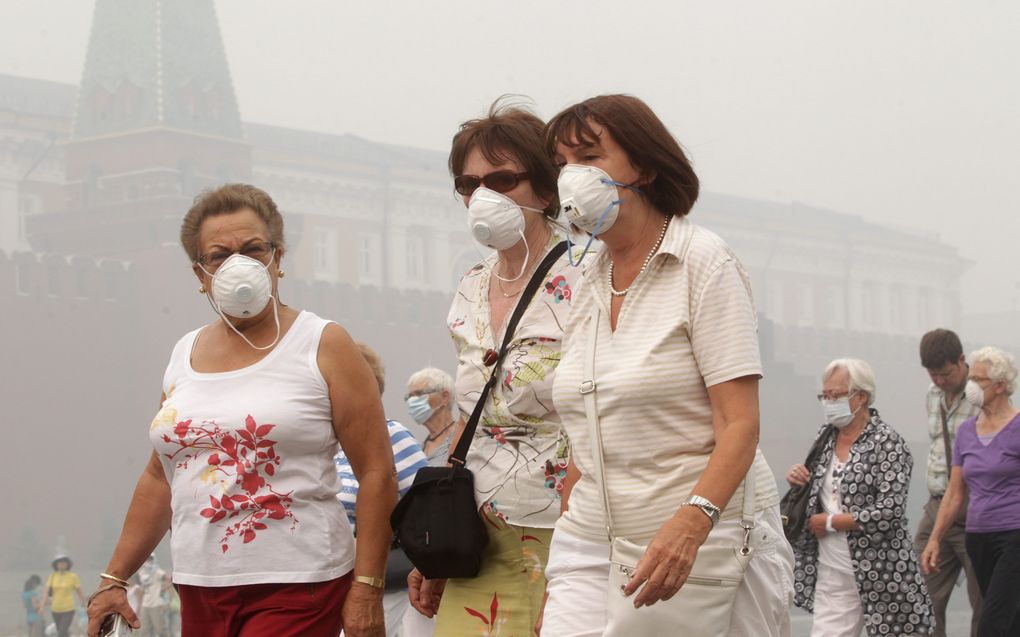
(103,589)
(374,582)
(114,578)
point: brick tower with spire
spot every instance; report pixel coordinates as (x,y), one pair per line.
(156,122)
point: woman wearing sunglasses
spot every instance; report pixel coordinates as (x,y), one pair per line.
(663,337)
(518,455)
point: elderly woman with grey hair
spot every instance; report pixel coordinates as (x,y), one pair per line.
(855,566)
(430,401)
(986,465)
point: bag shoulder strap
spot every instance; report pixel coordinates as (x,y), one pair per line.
(945,438)
(818,448)
(459,455)
(588,391)
(591,411)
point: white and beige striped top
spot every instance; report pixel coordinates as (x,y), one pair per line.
(683,327)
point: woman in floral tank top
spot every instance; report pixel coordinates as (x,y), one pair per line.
(242,475)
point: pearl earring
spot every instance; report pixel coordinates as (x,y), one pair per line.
(282,274)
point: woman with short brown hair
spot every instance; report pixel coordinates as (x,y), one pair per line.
(661,362)
(242,471)
(518,454)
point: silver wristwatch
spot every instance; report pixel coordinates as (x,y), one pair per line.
(709,509)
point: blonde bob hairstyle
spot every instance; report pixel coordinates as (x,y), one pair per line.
(862,377)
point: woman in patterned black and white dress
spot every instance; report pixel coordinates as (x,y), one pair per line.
(856,567)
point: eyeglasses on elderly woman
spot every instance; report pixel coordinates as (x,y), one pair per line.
(261,251)
(828,395)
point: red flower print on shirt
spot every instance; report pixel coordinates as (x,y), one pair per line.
(240,457)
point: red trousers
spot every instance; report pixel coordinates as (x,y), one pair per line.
(264,610)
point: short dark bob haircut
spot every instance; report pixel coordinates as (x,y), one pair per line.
(671,186)
(510,132)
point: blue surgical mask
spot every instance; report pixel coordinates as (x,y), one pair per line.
(419,408)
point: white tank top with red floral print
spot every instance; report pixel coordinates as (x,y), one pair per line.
(249,458)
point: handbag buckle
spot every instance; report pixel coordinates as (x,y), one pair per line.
(587,386)
(745,550)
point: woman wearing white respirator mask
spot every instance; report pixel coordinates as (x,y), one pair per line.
(242,473)
(658,392)
(517,454)
(856,537)
(985,478)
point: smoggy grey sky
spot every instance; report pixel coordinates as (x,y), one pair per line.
(904,113)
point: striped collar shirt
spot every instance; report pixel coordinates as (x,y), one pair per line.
(687,323)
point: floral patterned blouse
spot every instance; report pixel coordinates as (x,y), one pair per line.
(519,453)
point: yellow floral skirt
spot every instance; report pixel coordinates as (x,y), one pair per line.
(505,598)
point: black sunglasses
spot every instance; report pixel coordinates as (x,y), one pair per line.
(500,181)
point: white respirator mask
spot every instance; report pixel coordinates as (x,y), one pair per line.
(973,393)
(242,288)
(589,200)
(497,221)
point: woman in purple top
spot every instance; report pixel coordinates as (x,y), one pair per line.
(986,463)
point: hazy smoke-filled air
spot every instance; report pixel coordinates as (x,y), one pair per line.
(859,158)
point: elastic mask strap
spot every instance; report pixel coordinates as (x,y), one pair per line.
(598,226)
(276,317)
(622,185)
(524,266)
(591,238)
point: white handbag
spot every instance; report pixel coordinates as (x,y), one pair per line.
(704,604)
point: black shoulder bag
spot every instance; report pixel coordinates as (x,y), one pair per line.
(437,521)
(793,506)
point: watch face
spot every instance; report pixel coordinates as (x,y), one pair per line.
(706,507)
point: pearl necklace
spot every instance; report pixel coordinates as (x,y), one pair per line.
(648,259)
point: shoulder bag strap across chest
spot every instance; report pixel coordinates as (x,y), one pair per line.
(459,454)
